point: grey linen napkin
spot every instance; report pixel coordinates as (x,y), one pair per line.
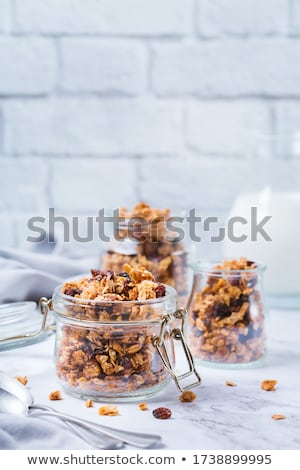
(34,433)
(31,273)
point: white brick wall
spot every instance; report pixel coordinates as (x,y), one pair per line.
(28,66)
(230,68)
(90,126)
(242,17)
(93,65)
(5,9)
(105,102)
(229,121)
(110,17)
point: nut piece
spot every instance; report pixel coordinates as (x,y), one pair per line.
(89,403)
(269,385)
(162,413)
(188,396)
(230,384)
(143,406)
(108,410)
(278,417)
(21,379)
(55,395)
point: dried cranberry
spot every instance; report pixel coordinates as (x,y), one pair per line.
(125,275)
(109,273)
(126,287)
(97,273)
(73,292)
(160,290)
(235,281)
(162,413)
(252,264)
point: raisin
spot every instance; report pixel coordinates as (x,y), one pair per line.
(126,287)
(221,310)
(160,290)
(73,292)
(162,413)
(125,275)
(96,273)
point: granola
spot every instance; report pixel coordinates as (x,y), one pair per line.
(55,395)
(22,379)
(230,384)
(115,355)
(89,403)
(268,385)
(143,406)
(278,417)
(108,410)
(152,246)
(227,315)
(187,396)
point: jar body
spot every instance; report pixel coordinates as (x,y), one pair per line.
(228,317)
(112,360)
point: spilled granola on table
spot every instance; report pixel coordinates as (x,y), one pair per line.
(227,315)
(111,357)
(53,396)
(151,245)
(268,385)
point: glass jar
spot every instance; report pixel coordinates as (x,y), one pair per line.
(118,350)
(227,315)
(151,244)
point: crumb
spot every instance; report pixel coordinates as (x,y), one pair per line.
(89,403)
(55,395)
(143,406)
(21,379)
(187,396)
(268,385)
(108,411)
(278,417)
(230,384)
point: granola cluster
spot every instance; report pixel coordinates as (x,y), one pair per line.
(116,355)
(227,315)
(147,242)
(132,284)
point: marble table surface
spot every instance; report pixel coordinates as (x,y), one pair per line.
(222,417)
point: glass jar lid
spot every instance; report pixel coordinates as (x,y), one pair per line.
(21,323)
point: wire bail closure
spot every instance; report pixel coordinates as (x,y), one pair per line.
(178,335)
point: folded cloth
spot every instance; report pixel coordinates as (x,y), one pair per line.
(33,273)
(34,433)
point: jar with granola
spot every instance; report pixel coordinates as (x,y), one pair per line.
(227,313)
(115,337)
(144,238)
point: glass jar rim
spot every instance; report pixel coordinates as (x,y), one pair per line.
(171,292)
(77,302)
(208,267)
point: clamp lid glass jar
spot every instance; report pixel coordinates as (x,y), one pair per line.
(143,238)
(118,350)
(227,313)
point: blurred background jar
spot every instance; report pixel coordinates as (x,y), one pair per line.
(144,237)
(273,192)
(227,313)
